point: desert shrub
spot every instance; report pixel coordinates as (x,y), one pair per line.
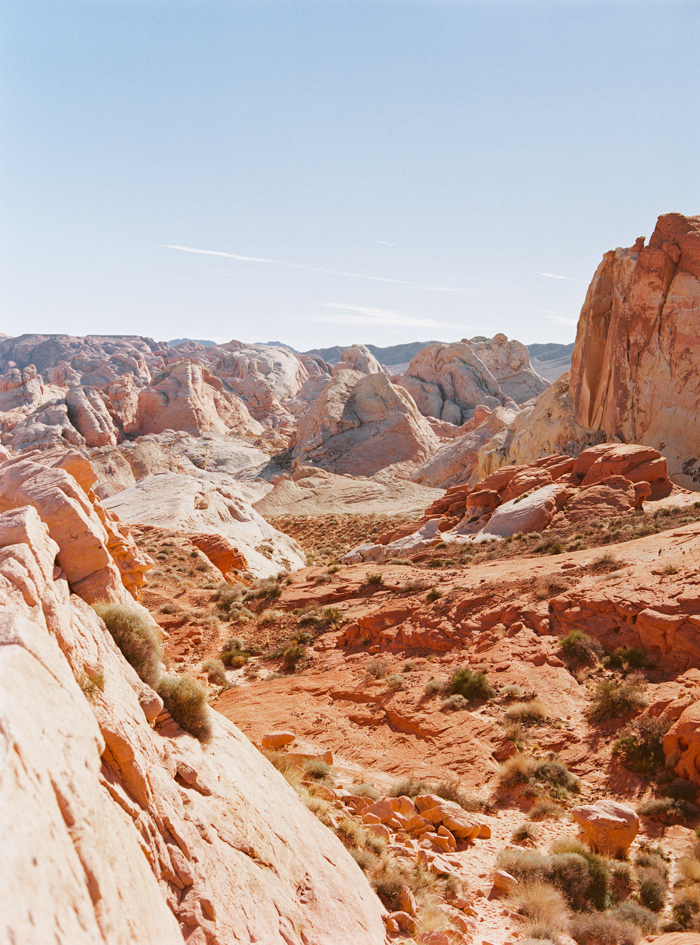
(433,595)
(395,681)
(333,569)
(631,911)
(544,907)
(583,877)
(517,733)
(580,647)
(640,746)
(215,672)
(293,655)
(689,868)
(666,810)
(365,859)
(518,769)
(547,585)
(681,790)
(376,668)
(513,692)
(333,616)
(556,775)
(597,929)
(228,596)
(317,769)
(686,908)
(365,790)
(472,686)
(533,710)
(613,698)
(455,703)
(433,686)
(409,787)
(374,579)
(525,833)
(91,684)
(628,658)
(670,569)
(186,701)
(234,659)
(653,888)
(545,809)
(387,886)
(270,617)
(451,791)
(136,638)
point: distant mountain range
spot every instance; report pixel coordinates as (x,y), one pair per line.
(549,360)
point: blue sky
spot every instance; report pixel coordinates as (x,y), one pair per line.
(380,171)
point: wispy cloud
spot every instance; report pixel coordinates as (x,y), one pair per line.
(379,317)
(559,317)
(330,272)
(384,243)
(551,275)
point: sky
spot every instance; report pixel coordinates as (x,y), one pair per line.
(332,172)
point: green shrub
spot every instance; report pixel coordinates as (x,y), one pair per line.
(653,888)
(583,877)
(628,658)
(580,647)
(228,596)
(293,655)
(433,686)
(186,701)
(614,698)
(640,746)
(455,703)
(686,908)
(395,681)
(433,595)
(533,710)
(472,686)
(525,833)
(680,790)
(409,787)
(136,638)
(317,769)
(374,579)
(545,809)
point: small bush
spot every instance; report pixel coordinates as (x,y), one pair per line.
(333,616)
(544,906)
(596,929)
(629,658)
(451,791)
(640,746)
(388,886)
(433,595)
(653,888)
(90,685)
(433,686)
(689,868)
(215,672)
(317,769)
(614,698)
(670,569)
(580,647)
(525,833)
(455,703)
(365,790)
(518,769)
(395,681)
(630,911)
(136,638)
(686,908)
(186,701)
(534,710)
(270,617)
(681,790)
(409,787)
(228,596)
(293,655)
(374,579)
(376,668)
(544,810)
(473,686)
(234,659)
(517,733)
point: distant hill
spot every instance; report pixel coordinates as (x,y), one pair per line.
(198,341)
(392,356)
(551,360)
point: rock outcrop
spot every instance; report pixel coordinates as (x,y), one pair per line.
(361,424)
(634,369)
(188,397)
(118,827)
(509,362)
(607,826)
(203,505)
(449,382)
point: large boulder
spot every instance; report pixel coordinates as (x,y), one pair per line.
(634,371)
(88,413)
(607,826)
(363,423)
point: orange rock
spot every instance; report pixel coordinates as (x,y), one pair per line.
(221,552)
(608,827)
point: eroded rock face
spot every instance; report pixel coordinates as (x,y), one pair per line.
(448,382)
(634,368)
(362,423)
(89,415)
(509,362)
(144,837)
(188,397)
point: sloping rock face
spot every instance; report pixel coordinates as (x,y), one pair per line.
(203,505)
(188,397)
(448,382)
(360,424)
(117,829)
(358,358)
(634,369)
(89,415)
(509,362)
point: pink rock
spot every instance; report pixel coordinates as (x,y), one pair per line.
(609,827)
(277,739)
